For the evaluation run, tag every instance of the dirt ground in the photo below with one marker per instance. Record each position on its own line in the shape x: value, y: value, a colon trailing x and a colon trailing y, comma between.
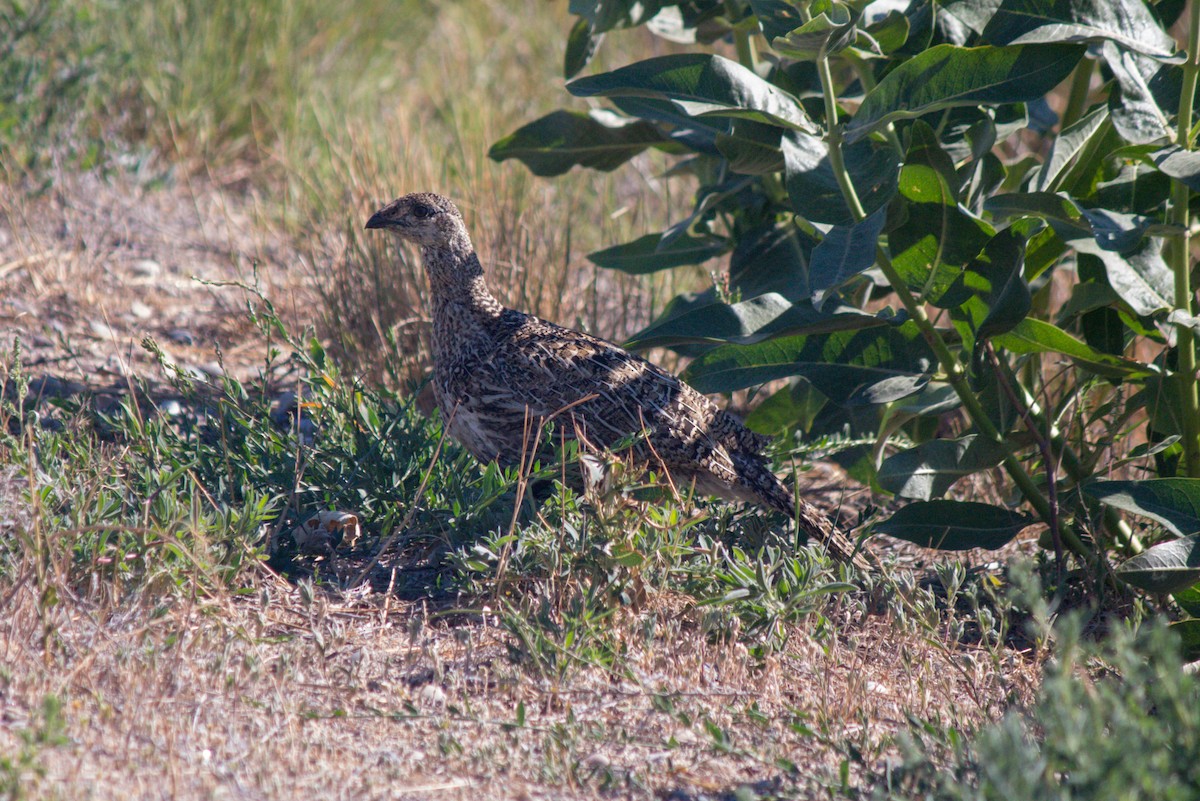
x: 286, y: 693
x: 90, y: 266
x: 276, y: 696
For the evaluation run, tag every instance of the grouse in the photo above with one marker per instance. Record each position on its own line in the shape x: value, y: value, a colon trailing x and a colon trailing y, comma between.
x: 500, y: 376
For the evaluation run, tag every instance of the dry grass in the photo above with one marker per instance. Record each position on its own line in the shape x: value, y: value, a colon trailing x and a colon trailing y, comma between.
x: 260, y: 168
x: 271, y: 695
x: 439, y: 108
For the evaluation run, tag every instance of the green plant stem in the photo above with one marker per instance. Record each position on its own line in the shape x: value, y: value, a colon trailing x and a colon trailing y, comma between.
x: 863, y: 70
x: 1081, y: 85
x: 1076, y: 470
x: 916, y: 310
x: 834, y: 139
x: 1181, y: 260
x: 743, y: 39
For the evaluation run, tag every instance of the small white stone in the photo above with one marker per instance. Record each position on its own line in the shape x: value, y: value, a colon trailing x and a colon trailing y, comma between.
x: 141, y: 310
x: 685, y: 737
x: 432, y: 695
x: 146, y: 268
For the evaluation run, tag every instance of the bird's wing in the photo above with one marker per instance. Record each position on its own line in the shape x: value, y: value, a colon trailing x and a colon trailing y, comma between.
x: 551, y: 370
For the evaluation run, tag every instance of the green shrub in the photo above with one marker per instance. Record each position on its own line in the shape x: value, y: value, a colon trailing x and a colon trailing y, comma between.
x: 921, y: 245
x: 1118, y: 720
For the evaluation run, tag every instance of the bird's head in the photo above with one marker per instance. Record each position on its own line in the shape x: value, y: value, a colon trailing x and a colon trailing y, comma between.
x: 427, y: 219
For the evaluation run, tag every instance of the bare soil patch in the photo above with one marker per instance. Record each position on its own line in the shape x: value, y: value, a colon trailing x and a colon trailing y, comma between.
x: 290, y: 692
x: 91, y: 265
x: 274, y: 695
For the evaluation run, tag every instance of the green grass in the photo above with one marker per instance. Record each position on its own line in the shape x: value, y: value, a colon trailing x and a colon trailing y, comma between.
x: 139, y: 496
x: 322, y: 111
x: 148, y: 509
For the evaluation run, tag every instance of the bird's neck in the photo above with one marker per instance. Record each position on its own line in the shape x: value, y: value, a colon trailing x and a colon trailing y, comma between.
x: 456, y: 278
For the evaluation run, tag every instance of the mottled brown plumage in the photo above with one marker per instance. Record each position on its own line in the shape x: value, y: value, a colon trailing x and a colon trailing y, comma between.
x: 500, y: 375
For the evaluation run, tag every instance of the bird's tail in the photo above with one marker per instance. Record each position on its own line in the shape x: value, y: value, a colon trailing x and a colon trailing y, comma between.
x: 819, y: 528
x: 817, y: 525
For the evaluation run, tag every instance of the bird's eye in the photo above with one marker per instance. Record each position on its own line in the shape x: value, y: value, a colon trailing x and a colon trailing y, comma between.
x: 423, y: 212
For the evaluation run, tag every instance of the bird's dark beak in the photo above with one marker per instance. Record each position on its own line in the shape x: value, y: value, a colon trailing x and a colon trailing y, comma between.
x: 377, y: 221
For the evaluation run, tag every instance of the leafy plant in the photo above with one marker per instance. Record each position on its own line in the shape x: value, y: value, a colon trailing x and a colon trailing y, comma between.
x: 917, y: 239
x: 1107, y: 723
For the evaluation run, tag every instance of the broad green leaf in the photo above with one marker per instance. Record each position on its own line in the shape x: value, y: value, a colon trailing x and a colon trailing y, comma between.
x: 1133, y: 262
x: 813, y: 189
x: 1043, y: 251
x: 1133, y: 110
x: 699, y: 134
x: 1126, y: 22
x: 946, y: 76
x: 1047, y: 205
x: 1085, y: 297
x: 951, y: 31
x: 934, y: 399
x: 975, y: 14
x: 996, y: 298
x: 561, y: 140
x: 1103, y: 330
x: 1141, y: 277
x: 954, y: 525
x: 680, y: 305
x: 845, y: 251
x: 605, y: 15
x: 1137, y: 187
x: 792, y: 407
x: 936, y: 237
x: 925, y: 149
x: 673, y: 25
x: 1066, y: 146
x: 700, y: 84
x: 708, y: 199
x: 776, y: 17
x: 751, y: 148
x: 1111, y: 230
x: 1189, y: 638
x: 772, y: 258
x: 886, y: 35
x: 750, y: 321
x: 644, y: 254
x: 1036, y: 336
x: 959, y: 125
x: 1167, y: 567
x: 1189, y: 600
x: 928, y: 470
x: 828, y: 32
x: 582, y: 44
x: 876, y: 365
x: 1117, y: 231
x: 1183, y: 165
x: 1091, y: 165
x: 1174, y: 502
x: 980, y: 179
x: 1164, y: 406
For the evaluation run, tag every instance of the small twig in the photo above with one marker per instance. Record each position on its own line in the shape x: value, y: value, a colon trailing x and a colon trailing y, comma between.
x: 32, y: 258
x: 1047, y: 457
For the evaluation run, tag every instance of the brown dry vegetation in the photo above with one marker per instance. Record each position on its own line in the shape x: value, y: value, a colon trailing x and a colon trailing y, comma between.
x: 279, y: 694
x: 172, y: 687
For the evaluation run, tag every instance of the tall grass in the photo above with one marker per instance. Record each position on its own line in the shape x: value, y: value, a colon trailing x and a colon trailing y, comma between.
x: 326, y: 110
